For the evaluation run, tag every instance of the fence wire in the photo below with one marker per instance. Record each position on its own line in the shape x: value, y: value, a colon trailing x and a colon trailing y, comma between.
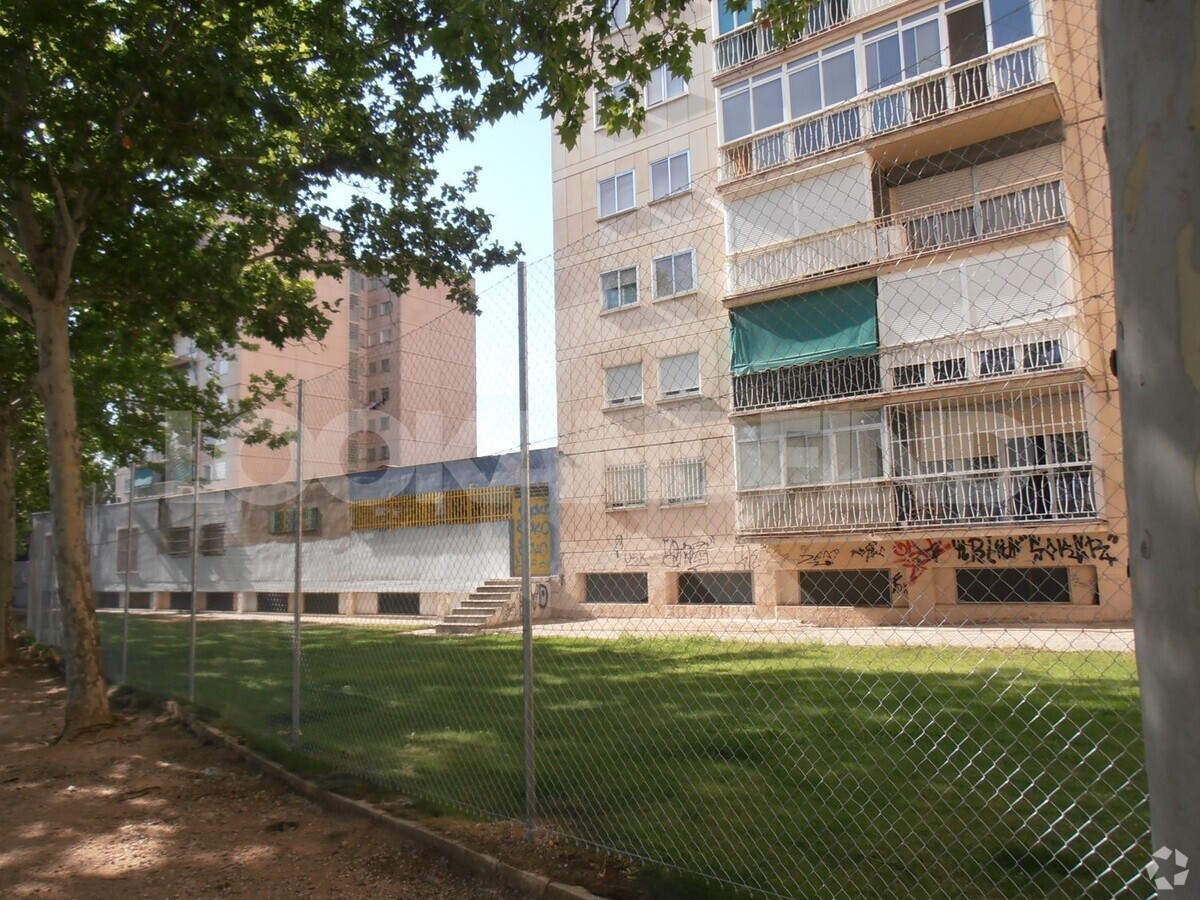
x: 829, y: 555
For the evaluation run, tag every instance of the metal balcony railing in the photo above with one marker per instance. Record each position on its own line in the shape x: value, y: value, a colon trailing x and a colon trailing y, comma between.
x: 1003, y: 72
x: 1030, y: 495
x: 756, y: 39
x: 1009, y: 209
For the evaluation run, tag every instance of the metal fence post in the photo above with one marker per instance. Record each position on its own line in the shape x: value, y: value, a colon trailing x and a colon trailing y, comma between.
x: 125, y: 599
x: 196, y: 438
x: 526, y: 609
x: 299, y: 563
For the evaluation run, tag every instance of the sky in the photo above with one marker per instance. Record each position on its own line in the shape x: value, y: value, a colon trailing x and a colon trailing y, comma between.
x: 515, y: 188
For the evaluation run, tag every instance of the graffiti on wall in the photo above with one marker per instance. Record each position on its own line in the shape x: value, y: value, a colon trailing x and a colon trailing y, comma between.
x: 626, y: 556
x: 869, y: 551
x: 818, y: 559
x: 1079, y: 548
x: 688, y: 555
x: 915, y: 557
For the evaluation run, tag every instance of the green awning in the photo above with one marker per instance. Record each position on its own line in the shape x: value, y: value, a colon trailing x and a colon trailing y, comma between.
x: 831, y: 324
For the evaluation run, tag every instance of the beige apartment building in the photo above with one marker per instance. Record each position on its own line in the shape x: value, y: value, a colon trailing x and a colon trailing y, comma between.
x: 391, y: 383
x: 834, y: 331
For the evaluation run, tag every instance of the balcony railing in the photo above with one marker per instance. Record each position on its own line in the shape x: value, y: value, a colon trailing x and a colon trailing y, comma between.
x: 754, y: 40
x: 1003, y: 72
x: 1006, y: 352
x: 1030, y: 495
x: 1006, y: 210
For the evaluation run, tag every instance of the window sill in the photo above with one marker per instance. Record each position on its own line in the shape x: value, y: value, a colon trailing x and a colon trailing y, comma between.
x: 630, y: 508
x: 683, y: 398
x: 617, y: 407
x: 684, y: 504
x: 674, y: 195
x: 666, y: 298
x: 616, y: 215
x: 620, y: 309
x: 668, y: 100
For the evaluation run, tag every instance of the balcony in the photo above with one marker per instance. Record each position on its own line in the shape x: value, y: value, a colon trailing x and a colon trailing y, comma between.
x: 757, y: 39
x: 1027, y: 496
x: 1004, y: 72
x: 1009, y: 209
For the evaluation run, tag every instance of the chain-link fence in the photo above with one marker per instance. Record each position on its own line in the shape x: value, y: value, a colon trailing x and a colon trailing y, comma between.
x: 829, y: 588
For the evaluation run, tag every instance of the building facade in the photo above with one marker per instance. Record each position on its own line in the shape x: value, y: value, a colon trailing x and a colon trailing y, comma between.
x: 835, y: 329
x: 391, y: 383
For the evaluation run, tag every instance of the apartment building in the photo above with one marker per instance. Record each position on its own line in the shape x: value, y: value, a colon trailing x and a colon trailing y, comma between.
x: 834, y: 330
x: 391, y: 383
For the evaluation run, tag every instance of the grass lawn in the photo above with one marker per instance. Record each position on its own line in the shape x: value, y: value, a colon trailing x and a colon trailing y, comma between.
x: 801, y: 770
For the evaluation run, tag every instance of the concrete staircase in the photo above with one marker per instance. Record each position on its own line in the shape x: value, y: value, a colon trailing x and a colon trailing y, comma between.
x: 483, y: 608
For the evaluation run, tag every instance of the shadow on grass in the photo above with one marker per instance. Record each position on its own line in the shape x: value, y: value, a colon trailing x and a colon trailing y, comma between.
x: 905, y: 772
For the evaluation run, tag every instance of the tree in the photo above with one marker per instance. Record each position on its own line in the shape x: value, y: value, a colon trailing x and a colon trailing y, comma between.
x: 172, y: 163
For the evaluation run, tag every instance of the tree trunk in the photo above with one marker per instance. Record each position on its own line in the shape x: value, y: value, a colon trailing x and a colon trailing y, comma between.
x: 87, y: 697
x: 8, y: 531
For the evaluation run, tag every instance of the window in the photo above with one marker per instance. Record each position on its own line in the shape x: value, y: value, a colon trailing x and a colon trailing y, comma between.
x: 908, y: 376
x: 670, y: 175
x: 180, y: 600
x: 947, y: 370
x: 218, y: 470
x: 846, y: 587
x: 271, y: 603
x: 664, y: 86
x: 179, y: 541
x: 385, y: 394
x: 212, y: 539
x: 1042, y: 355
x: 679, y: 376
x: 108, y: 600
x: 354, y: 336
x: 1015, y: 585
x: 218, y: 601
x: 384, y: 337
x: 371, y: 368
x: 283, y: 521
x: 818, y: 81
x: 997, y: 361
x: 675, y: 274
x: 385, y: 422
x: 371, y: 454
x: 355, y: 306
x: 1057, y: 481
x: 625, y: 486
x: 385, y: 452
x: 618, y: 14
x: 682, y: 481
x: 127, y: 549
x: 372, y: 311
x: 752, y: 105
x: 321, y: 604
x: 623, y: 385
x: 396, y: 604
x: 732, y: 588
x: 385, y: 364
x: 371, y: 424
x: 616, y: 587
x: 356, y: 281
x: 617, y: 193
x: 730, y: 19
x: 814, y: 448
x: 385, y: 308
x: 371, y: 395
x: 619, y: 288
x: 352, y: 451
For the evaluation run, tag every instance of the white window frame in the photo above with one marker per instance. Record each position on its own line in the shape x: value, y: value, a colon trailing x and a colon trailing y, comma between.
x: 600, y: 92
x: 618, y: 15
x: 615, y: 180
x: 622, y: 487
x: 637, y: 289
x: 691, y: 473
x: 686, y: 392
x: 666, y: 81
x: 672, y: 188
x: 691, y: 255
x: 825, y: 434
x: 611, y: 402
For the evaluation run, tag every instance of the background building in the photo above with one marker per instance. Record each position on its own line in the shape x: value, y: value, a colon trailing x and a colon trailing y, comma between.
x: 834, y: 330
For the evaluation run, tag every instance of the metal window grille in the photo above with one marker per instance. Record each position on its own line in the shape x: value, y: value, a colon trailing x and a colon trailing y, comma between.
x: 179, y: 540
x: 1014, y: 585
x: 625, y: 486
x: 616, y: 587
x: 683, y: 481
x: 846, y: 587
x: 212, y: 539
x: 716, y: 588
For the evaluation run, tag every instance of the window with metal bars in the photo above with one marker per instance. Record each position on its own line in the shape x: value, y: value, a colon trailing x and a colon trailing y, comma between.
x: 682, y: 481
x: 625, y: 486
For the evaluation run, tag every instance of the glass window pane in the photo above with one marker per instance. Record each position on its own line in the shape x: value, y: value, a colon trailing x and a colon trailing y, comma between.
x: 679, y: 374
x: 768, y: 103
x: 922, y: 49
x: 883, y: 63
x: 749, y: 469
x: 805, y: 87
x: 735, y: 116
x: 625, y: 191
x: 660, y: 180
x: 840, y: 79
x: 608, y: 196
x: 680, y: 175
x: 624, y: 383
x: 685, y: 279
x: 608, y: 289
x: 806, y: 459
x: 1012, y: 21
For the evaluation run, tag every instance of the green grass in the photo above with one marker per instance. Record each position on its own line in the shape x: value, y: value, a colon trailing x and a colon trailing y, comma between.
x: 800, y: 770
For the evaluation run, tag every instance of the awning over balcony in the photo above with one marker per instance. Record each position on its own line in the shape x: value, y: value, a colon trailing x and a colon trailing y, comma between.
x: 831, y: 324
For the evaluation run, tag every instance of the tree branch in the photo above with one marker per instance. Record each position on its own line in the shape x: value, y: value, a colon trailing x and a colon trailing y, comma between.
x: 10, y: 267
x: 17, y: 305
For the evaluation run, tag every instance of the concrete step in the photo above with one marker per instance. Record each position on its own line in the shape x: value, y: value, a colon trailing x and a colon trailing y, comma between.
x: 454, y: 628
x: 510, y: 583
x: 480, y: 605
x: 496, y: 589
x: 476, y: 617
x: 498, y: 599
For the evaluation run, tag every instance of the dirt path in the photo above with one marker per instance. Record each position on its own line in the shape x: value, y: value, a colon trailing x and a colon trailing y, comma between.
x: 145, y: 810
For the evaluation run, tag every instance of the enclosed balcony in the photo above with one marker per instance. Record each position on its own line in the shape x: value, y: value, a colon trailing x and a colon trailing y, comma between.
x: 925, y: 97
x: 981, y: 216
x: 1018, y: 457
